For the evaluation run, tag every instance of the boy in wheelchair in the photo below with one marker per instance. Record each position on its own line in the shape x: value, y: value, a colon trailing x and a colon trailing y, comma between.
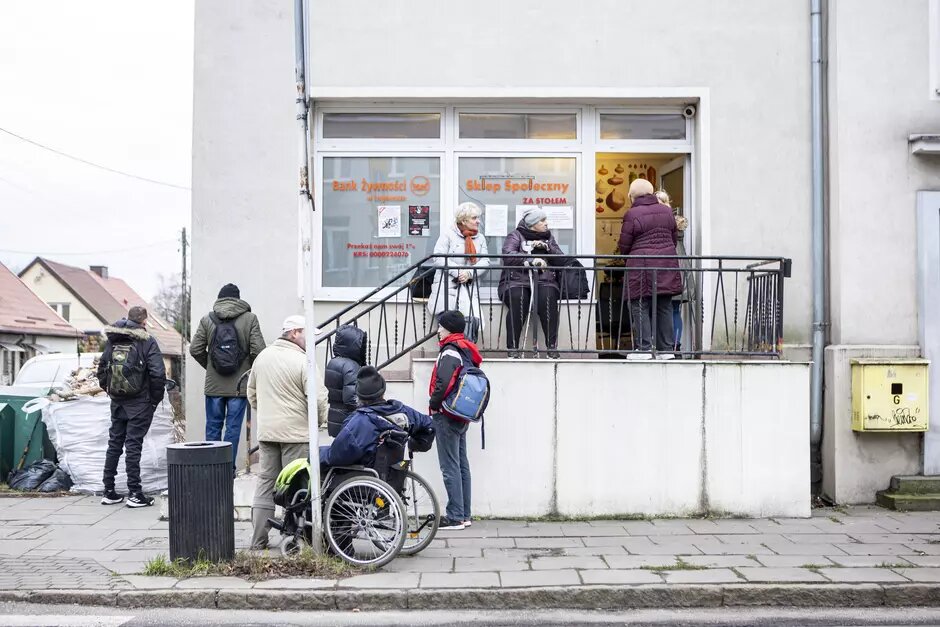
x: 371, y: 443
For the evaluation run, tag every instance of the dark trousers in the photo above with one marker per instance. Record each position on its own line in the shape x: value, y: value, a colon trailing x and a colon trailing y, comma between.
x: 230, y: 412
x: 127, y: 432
x: 644, y: 324
x: 517, y: 300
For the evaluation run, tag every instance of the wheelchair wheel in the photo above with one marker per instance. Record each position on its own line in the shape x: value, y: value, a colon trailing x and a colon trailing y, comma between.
x: 291, y: 545
x: 364, y: 522
x: 423, y: 514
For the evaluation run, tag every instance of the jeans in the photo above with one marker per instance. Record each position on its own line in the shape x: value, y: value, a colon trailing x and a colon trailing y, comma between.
x: 677, y: 322
x: 126, y: 432
x: 451, y: 438
x: 641, y: 319
x: 229, y: 410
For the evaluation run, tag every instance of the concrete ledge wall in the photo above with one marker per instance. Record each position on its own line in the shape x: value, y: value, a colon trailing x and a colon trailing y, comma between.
x: 604, y: 438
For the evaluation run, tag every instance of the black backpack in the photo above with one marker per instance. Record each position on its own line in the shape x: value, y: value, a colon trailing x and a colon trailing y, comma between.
x: 224, y: 349
x: 127, y: 371
x: 422, y: 281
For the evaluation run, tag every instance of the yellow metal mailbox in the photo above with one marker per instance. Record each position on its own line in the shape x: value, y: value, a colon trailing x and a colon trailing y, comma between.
x: 889, y: 394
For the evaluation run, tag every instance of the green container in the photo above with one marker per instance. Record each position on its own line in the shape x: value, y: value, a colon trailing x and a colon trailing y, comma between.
x: 21, y: 432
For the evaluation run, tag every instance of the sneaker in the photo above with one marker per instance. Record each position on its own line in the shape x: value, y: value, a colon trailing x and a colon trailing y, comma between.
x: 554, y: 355
x: 640, y: 356
x: 665, y: 356
x: 139, y: 500
x: 467, y: 523
x: 448, y: 524
x: 515, y: 355
x: 110, y: 497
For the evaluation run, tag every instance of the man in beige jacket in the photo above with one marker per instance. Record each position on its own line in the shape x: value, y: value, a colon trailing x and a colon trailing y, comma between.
x: 277, y: 392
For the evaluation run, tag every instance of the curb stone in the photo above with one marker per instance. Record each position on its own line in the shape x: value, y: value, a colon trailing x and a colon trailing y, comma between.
x: 807, y: 595
x: 580, y: 597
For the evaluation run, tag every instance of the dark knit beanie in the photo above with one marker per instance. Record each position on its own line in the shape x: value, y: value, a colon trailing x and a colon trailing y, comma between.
x: 229, y: 290
x: 452, y: 321
x: 370, y: 385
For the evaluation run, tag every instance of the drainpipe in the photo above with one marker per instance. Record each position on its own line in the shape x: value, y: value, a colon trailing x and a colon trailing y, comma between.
x: 305, y: 210
x: 819, y: 239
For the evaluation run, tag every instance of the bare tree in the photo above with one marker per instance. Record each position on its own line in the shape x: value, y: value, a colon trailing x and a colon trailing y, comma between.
x: 170, y: 303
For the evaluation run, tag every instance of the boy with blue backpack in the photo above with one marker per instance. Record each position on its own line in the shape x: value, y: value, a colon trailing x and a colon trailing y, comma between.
x: 459, y: 393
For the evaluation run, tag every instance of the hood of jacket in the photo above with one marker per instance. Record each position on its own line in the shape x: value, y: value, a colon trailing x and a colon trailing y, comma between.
x: 458, y: 339
x: 227, y: 308
x: 387, y: 412
x: 350, y: 342
x: 125, y: 328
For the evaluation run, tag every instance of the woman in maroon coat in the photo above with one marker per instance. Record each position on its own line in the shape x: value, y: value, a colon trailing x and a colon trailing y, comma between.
x: 649, y: 228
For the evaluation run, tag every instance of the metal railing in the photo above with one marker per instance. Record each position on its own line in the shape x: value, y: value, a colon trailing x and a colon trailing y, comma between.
x: 579, y: 306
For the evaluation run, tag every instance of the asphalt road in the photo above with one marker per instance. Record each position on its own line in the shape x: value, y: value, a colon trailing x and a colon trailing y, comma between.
x: 16, y: 615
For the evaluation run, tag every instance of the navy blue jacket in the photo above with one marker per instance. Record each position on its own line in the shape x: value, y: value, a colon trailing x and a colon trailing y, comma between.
x: 356, y: 443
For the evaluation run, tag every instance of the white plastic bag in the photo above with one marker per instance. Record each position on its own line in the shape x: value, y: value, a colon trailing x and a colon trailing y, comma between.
x: 79, y: 431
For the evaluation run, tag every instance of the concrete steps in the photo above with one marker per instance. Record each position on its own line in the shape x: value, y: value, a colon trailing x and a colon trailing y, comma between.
x: 911, y: 493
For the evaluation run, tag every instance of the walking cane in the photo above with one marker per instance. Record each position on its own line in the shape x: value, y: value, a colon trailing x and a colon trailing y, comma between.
x: 238, y: 387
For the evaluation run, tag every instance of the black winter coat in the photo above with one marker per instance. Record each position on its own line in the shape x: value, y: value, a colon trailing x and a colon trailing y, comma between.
x: 349, y: 355
x: 151, y: 395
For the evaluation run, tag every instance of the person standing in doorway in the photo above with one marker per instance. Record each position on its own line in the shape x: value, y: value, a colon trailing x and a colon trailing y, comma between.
x: 457, y: 352
x: 682, y: 223
x: 649, y: 228
x: 131, y: 371
x: 226, y: 344
x: 277, y: 390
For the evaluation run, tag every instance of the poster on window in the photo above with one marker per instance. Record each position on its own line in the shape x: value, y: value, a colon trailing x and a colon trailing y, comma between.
x: 419, y: 220
x: 389, y: 220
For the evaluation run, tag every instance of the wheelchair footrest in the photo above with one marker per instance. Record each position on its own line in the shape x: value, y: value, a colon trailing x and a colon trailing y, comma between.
x: 276, y: 524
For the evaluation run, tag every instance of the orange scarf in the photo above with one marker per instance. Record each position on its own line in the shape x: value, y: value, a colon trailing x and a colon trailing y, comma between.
x: 469, y: 248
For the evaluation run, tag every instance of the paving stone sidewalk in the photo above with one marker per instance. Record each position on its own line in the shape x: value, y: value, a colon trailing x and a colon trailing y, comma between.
x: 74, y: 543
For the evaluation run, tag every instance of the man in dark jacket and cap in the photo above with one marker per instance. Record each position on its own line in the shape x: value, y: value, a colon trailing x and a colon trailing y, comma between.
x: 357, y: 442
x: 131, y: 371
x: 226, y: 362
x: 349, y: 355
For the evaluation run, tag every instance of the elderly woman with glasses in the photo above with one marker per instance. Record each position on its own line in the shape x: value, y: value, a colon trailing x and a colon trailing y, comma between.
x: 459, y: 287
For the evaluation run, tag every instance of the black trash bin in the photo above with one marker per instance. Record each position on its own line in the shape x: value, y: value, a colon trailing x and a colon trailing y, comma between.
x: 202, y: 507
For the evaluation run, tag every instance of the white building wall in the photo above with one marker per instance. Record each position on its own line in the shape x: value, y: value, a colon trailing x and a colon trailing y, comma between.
x: 879, y: 79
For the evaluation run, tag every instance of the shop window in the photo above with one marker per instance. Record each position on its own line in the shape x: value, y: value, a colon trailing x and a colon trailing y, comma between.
x: 380, y: 216
x: 507, y: 187
x: 518, y: 126
x: 642, y: 126
x: 381, y: 125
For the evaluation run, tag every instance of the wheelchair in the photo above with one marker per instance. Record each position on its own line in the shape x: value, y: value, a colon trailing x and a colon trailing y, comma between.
x: 370, y: 514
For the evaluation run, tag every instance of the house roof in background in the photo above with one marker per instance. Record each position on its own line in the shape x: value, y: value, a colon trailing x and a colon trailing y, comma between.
x: 110, y: 299
x: 21, y: 311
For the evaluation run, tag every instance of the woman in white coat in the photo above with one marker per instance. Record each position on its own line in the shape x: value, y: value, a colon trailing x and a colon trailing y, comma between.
x: 462, y: 278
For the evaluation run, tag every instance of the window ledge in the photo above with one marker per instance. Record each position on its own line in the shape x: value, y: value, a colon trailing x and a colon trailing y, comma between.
x: 924, y: 144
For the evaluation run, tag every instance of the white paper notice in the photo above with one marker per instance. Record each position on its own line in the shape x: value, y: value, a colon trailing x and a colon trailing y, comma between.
x: 389, y: 220
x: 495, y: 221
x: 560, y: 218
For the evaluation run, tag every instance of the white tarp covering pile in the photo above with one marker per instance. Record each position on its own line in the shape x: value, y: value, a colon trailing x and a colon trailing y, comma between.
x: 79, y: 431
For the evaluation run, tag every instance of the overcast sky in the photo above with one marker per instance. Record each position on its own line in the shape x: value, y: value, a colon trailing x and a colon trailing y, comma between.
x: 109, y: 82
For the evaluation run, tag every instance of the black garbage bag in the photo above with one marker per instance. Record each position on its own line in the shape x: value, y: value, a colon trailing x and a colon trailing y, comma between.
x: 32, y: 476
x: 60, y: 481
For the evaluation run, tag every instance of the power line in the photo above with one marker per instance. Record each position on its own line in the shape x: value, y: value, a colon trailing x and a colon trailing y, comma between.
x: 96, y: 165
x: 93, y: 252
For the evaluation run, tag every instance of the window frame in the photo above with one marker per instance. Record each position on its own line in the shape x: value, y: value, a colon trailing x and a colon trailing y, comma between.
x: 449, y: 148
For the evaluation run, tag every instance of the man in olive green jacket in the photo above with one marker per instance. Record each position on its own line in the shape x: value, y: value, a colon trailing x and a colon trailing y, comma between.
x: 225, y: 402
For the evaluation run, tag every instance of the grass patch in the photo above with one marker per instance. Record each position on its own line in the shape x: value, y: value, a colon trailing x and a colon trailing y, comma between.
x: 254, y: 567
x: 679, y: 565
x: 7, y: 491
x: 836, y: 520
x: 897, y: 565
